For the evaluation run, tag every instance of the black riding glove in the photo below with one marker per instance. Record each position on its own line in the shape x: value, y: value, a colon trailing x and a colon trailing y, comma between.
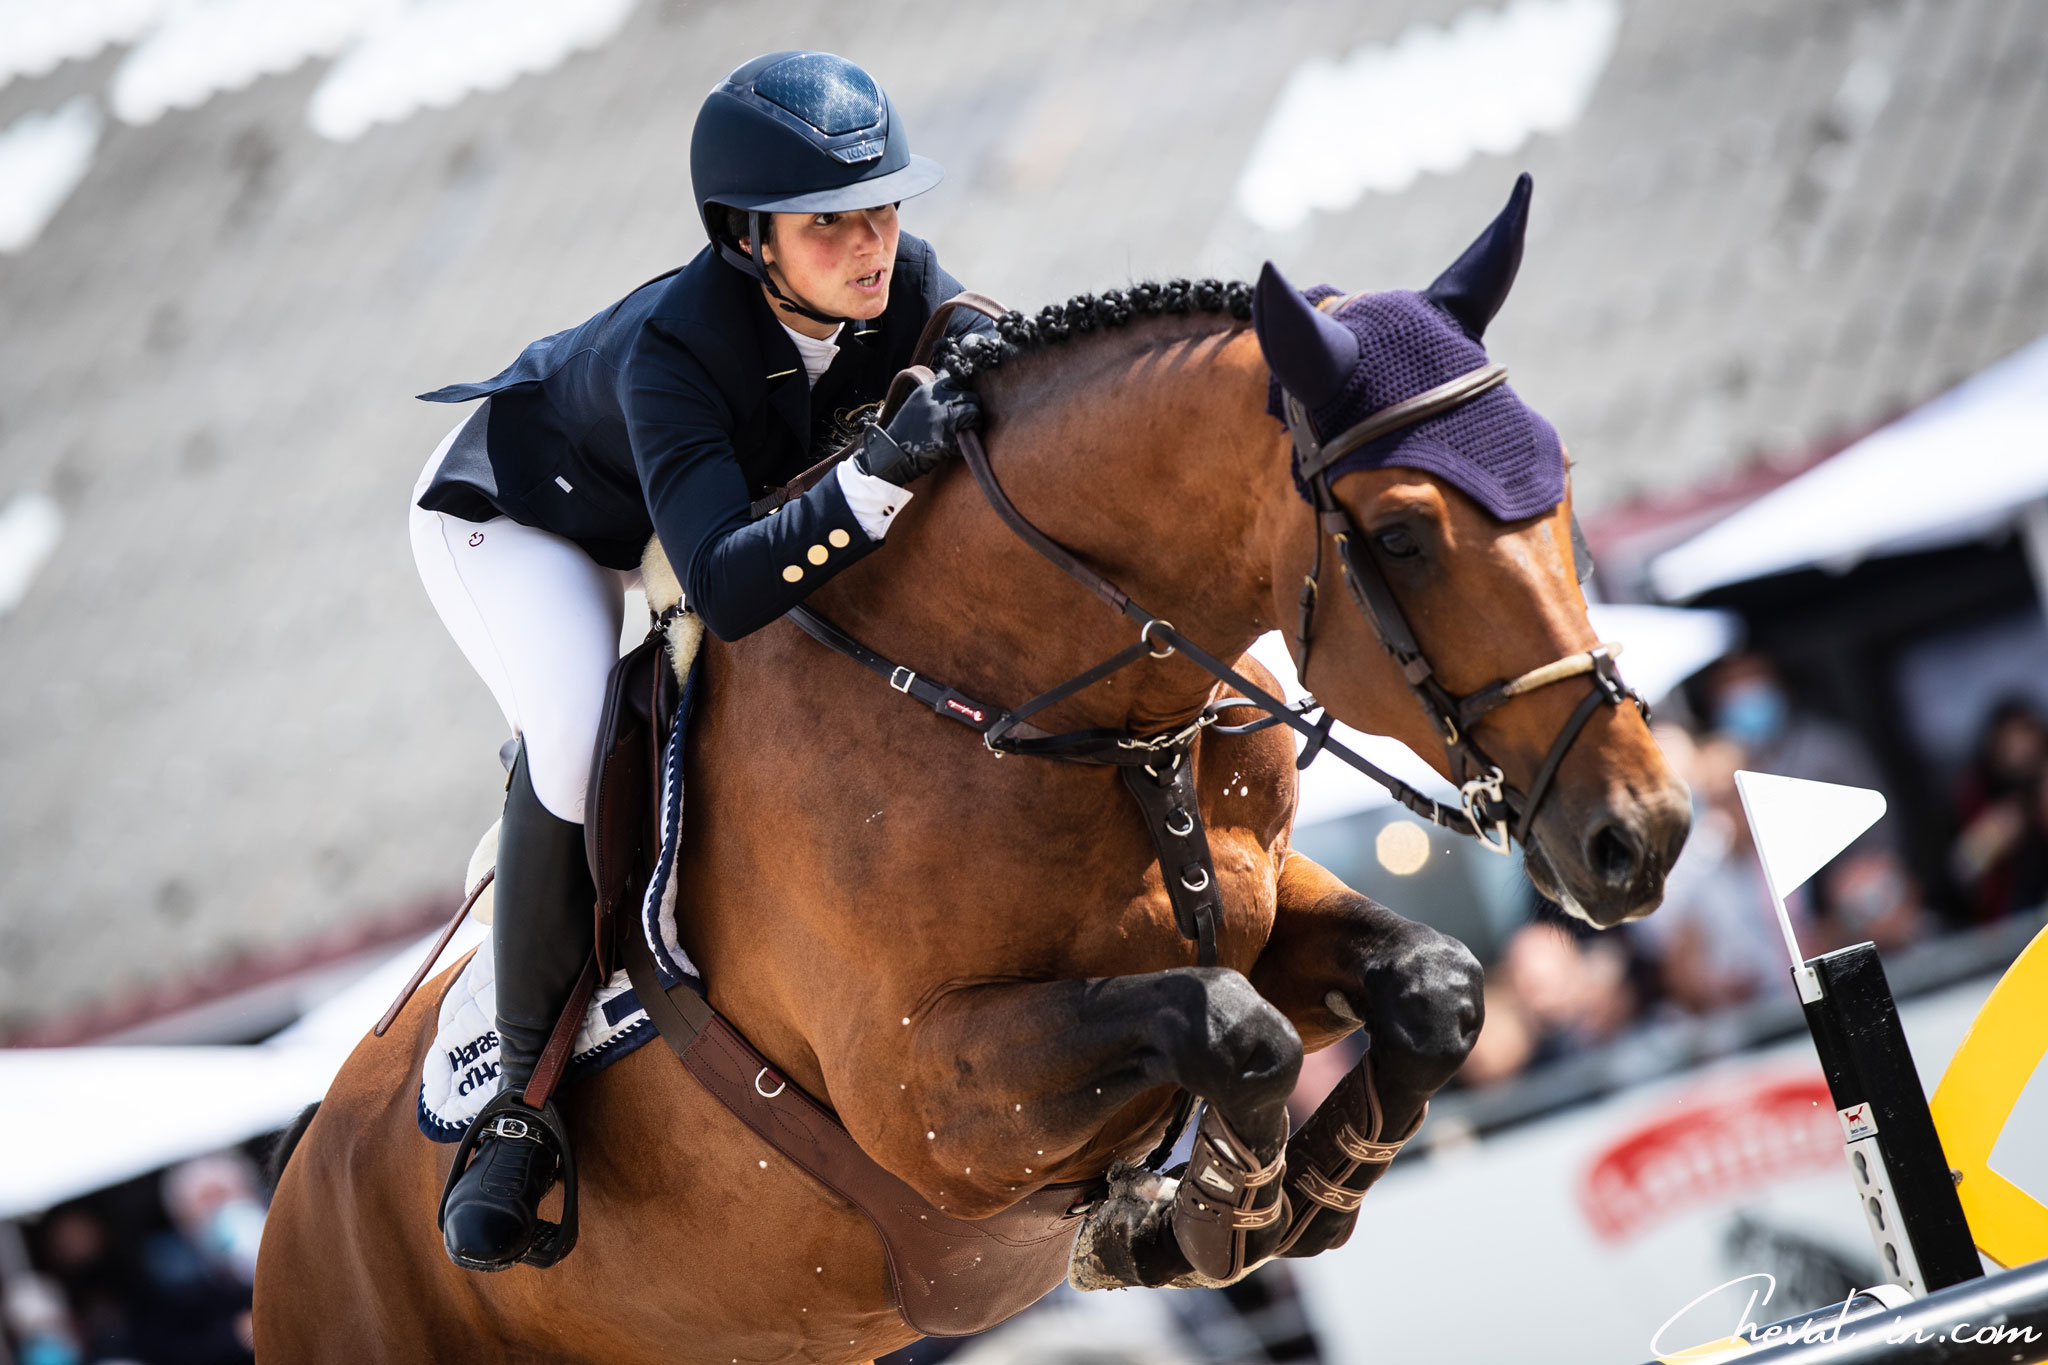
x: 923, y: 433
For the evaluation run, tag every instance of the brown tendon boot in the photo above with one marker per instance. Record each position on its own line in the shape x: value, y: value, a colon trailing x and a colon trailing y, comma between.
x: 1335, y: 1164
x: 1226, y: 1200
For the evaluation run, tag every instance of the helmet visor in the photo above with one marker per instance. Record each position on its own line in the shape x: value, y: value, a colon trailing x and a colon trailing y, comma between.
x: 914, y: 179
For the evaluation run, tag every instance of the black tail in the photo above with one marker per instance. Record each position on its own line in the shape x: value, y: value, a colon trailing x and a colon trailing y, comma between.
x: 287, y: 1143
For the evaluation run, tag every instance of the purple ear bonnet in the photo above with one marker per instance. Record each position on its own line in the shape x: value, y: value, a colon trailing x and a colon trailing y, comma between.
x: 1494, y: 449
x: 1383, y: 349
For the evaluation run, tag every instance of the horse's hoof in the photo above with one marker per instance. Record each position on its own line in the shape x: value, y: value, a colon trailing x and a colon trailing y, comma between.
x: 1127, y: 1242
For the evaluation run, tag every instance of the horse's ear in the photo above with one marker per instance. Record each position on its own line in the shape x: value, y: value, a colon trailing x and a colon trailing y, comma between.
x: 1476, y: 285
x: 1314, y: 355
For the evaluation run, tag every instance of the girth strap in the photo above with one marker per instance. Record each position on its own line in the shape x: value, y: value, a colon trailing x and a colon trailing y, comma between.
x: 938, y: 1265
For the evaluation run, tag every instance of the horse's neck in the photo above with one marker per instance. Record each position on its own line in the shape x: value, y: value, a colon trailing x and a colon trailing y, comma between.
x: 1150, y: 462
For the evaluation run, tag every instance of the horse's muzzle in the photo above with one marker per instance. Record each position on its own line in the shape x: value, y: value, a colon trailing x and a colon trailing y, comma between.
x: 1606, y: 861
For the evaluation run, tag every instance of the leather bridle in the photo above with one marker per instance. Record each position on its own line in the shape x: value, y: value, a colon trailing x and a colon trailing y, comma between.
x: 1490, y: 808
x: 1157, y: 769
x: 1494, y: 809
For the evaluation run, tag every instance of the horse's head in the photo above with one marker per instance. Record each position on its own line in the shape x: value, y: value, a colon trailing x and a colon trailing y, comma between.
x: 1451, y: 532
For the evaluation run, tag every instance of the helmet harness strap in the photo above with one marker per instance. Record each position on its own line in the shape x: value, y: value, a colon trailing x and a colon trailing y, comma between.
x: 759, y: 270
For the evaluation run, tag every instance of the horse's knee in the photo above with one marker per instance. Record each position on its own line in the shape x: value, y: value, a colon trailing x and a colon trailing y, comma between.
x: 1238, y: 1050
x: 1424, y: 1001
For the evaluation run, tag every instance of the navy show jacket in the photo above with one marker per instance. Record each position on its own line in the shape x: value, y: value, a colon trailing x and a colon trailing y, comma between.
x: 670, y: 412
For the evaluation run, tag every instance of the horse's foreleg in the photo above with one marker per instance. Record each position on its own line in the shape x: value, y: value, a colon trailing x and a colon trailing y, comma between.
x: 1338, y: 961
x: 1016, y: 1077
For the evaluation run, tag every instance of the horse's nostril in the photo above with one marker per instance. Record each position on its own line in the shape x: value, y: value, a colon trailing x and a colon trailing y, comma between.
x: 1613, y: 856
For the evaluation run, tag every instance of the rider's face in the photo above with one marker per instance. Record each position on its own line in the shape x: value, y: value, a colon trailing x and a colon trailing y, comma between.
x: 838, y: 263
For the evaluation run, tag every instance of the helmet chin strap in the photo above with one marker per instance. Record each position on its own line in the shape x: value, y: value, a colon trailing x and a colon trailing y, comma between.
x: 760, y: 271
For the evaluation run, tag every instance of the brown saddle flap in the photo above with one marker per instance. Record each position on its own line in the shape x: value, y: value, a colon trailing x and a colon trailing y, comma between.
x: 622, y: 819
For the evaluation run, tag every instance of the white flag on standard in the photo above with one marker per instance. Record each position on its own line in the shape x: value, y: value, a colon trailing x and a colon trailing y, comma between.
x: 1800, y: 825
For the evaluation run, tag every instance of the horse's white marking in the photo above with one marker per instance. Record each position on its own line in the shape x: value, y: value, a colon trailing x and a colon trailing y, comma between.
x: 762, y: 1164
x: 872, y: 818
x: 931, y: 1136
x: 906, y: 1021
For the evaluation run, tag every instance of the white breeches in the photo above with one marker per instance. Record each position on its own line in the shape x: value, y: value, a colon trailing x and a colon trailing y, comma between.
x: 538, y: 620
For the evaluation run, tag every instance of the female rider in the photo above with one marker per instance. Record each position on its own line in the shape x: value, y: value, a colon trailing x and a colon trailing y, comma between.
x: 668, y: 413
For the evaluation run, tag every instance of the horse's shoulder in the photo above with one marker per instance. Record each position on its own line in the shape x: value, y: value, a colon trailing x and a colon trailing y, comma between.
x: 1249, y: 780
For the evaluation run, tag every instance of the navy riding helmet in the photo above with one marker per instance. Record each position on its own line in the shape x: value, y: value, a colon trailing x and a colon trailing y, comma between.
x: 798, y: 132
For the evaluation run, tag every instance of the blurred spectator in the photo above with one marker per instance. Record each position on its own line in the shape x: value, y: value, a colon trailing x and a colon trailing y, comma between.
x: 41, y: 1322
x: 1320, y: 1072
x: 79, y: 1250
x: 199, y: 1272
x: 155, y: 1270
x: 1747, y: 703
x: 1998, y: 811
x: 1716, y: 938
x: 216, y: 1203
x: 2028, y: 883
x: 1554, y: 991
x: 1867, y: 892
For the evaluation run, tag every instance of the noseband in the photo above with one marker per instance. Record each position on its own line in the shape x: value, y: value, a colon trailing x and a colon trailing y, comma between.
x: 1494, y: 809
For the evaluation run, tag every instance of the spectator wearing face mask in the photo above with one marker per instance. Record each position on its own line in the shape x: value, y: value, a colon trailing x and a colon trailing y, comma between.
x: 1867, y: 891
x: 196, y: 1308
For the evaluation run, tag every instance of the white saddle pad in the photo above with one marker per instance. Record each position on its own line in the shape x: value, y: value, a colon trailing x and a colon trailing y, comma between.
x: 461, y: 1071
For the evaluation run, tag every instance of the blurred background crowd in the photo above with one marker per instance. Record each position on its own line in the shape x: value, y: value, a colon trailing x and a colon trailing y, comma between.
x: 1785, y: 281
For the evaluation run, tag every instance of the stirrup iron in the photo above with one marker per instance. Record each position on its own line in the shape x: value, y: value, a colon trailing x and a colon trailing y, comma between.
x: 509, y: 1120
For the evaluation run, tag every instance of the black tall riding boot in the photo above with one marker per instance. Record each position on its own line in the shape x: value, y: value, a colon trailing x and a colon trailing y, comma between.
x: 541, y: 930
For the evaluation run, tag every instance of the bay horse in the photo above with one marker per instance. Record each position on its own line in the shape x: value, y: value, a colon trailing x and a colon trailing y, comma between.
x: 975, y: 962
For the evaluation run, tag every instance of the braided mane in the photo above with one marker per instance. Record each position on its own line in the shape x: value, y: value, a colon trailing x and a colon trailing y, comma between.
x: 978, y: 353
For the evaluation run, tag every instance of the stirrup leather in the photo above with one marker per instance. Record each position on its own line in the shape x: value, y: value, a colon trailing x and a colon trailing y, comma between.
x: 1224, y: 1197
x: 508, y: 1119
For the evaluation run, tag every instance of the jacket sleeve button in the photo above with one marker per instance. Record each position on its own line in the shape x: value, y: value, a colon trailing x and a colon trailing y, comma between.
x: 816, y: 554
x: 792, y: 573
x: 840, y: 540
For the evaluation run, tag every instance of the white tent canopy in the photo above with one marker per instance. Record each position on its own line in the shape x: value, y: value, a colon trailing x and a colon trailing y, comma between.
x: 1968, y: 463
x: 83, y: 1118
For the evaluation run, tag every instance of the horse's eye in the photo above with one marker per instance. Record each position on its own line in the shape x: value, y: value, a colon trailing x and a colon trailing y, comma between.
x: 1396, y: 543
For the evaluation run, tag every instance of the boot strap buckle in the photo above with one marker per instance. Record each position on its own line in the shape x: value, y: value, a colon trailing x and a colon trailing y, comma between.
x: 512, y: 1126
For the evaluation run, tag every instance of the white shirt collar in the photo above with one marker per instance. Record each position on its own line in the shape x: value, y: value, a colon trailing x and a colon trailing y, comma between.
x: 815, y: 352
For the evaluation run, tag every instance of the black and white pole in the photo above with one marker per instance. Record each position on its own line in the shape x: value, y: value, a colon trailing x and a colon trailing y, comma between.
x: 1901, y: 1175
